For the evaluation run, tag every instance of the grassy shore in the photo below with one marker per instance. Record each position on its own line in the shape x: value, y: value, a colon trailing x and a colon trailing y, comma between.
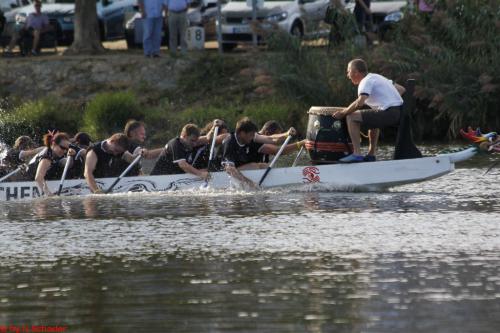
x: 458, y: 81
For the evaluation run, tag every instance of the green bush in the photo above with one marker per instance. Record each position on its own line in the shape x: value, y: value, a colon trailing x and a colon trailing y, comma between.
x: 35, y: 118
x: 453, y: 55
x: 108, y: 112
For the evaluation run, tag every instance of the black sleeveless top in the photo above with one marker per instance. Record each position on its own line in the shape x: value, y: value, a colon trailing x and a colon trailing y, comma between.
x: 108, y: 165
x: 55, y: 170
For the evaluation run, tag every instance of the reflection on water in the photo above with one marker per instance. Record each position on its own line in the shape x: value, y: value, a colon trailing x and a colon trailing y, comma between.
x: 419, y: 258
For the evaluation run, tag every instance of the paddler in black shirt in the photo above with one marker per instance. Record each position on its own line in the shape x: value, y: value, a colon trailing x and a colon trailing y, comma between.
x: 49, y: 163
x: 136, y: 133
x: 103, y: 159
x: 179, y: 154
x: 242, y: 152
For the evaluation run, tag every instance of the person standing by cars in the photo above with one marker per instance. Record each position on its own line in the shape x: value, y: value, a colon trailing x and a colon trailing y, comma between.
x: 177, y: 25
x: 363, y: 14
x: 152, y: 18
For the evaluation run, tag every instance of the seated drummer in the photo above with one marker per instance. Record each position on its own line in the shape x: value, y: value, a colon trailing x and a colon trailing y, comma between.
x: 104, y: 159
x: 179, y: 154
x: 382, y: 96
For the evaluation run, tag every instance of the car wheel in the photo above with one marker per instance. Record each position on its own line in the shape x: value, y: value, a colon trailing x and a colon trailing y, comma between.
x: 228, y: 47
x: 102, y: 31
x: 297, y: 30
x: 131, y: 44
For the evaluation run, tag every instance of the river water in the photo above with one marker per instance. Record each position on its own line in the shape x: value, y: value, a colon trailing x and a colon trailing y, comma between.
x: 418, y: 258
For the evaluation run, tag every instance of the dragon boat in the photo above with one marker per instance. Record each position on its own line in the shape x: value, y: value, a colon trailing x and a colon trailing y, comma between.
x: 368, y: 176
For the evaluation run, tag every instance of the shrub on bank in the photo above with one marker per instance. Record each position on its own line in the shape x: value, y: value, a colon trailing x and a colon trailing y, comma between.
x: 35, y: 118
x: 108, y: 112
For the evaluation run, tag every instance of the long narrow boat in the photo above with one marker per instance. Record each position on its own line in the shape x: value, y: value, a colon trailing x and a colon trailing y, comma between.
x: 372, y: 176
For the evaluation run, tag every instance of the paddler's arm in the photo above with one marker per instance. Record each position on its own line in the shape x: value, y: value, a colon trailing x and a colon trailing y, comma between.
x: 275, y: 138
x: 188, y: 168
x: 357, y: 104
x: 26, y: 155
x: 90, y: 164
x: 41, y: 171
x: 268, y: 149
x: 151, y: 154
x: 235, y: 173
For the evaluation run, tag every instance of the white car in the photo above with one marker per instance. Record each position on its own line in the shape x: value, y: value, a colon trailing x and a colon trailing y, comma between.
x: 297, y: 17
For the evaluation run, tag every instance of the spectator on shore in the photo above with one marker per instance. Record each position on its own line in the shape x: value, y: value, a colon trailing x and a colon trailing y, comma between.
x: 177, y: 25
x: 341, y: 23
x: 36, y: 25
x: 424, y: 6
x: 152, y: 18
x: 362, y: 13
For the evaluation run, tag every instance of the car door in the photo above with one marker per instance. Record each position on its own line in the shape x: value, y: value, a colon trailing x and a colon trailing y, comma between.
x: 313, y: 13
x: 112, y: 16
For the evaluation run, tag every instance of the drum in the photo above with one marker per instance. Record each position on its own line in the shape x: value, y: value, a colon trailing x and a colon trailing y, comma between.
x: 327, y: 138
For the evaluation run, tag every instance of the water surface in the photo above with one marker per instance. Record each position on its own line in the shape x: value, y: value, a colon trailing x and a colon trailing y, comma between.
x: 418, y: 258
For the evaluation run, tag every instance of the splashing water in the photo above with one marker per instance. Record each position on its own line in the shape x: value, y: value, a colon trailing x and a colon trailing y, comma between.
x: 3, y: 150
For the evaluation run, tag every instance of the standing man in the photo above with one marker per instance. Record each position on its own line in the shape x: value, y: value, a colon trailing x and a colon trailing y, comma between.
x: 382, y: 96
x: 152, y: 18
x: 362, y: 13
x: 177, y: 24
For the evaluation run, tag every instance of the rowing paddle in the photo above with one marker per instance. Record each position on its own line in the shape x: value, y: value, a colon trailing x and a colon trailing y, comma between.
x: 65, y: 172
x: 212, y: 148
x: 298, y: 156
x: 275, y: 159
x: 12, y: 173
x: 124, y: 173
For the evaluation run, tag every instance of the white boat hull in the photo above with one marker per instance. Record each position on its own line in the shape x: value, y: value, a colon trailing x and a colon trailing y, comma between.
x: 358, y: 176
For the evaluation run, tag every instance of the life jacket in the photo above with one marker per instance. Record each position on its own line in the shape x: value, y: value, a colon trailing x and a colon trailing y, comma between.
x: 108, y: 165
x: 55, y: 170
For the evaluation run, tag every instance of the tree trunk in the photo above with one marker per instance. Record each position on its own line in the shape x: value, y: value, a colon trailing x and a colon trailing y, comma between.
x: 87, y: 35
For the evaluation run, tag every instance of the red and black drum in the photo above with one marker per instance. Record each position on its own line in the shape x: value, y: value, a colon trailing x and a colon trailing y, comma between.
x: 327, y: 138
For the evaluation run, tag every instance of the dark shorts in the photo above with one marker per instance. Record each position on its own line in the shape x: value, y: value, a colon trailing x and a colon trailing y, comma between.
x: 380, y: 119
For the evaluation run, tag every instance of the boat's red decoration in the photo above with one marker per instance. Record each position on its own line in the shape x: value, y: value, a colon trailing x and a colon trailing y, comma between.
x: 311, y: 174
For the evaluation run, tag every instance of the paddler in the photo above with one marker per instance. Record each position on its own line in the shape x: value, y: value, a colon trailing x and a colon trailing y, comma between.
x: 241, y: 151
x: 180, y: 153
x: 104, y: 159
x: 49, y: 163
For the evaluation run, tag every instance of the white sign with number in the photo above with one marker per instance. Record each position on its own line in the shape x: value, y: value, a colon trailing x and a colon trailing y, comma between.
x: 195, y: 38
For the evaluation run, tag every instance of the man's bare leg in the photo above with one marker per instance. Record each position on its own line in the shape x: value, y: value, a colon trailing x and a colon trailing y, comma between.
x: 353, y: 125
x: 373, y: 137
x: 36, y: 40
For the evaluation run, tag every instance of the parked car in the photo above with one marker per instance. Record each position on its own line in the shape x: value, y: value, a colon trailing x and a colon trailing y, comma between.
x: 111, y: 15
x: 7, y: 5
x: 298, y: 17
x: 200, y: 13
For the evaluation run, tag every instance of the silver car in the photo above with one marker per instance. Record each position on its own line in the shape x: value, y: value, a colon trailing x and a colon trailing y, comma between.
x: 297, y: 17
